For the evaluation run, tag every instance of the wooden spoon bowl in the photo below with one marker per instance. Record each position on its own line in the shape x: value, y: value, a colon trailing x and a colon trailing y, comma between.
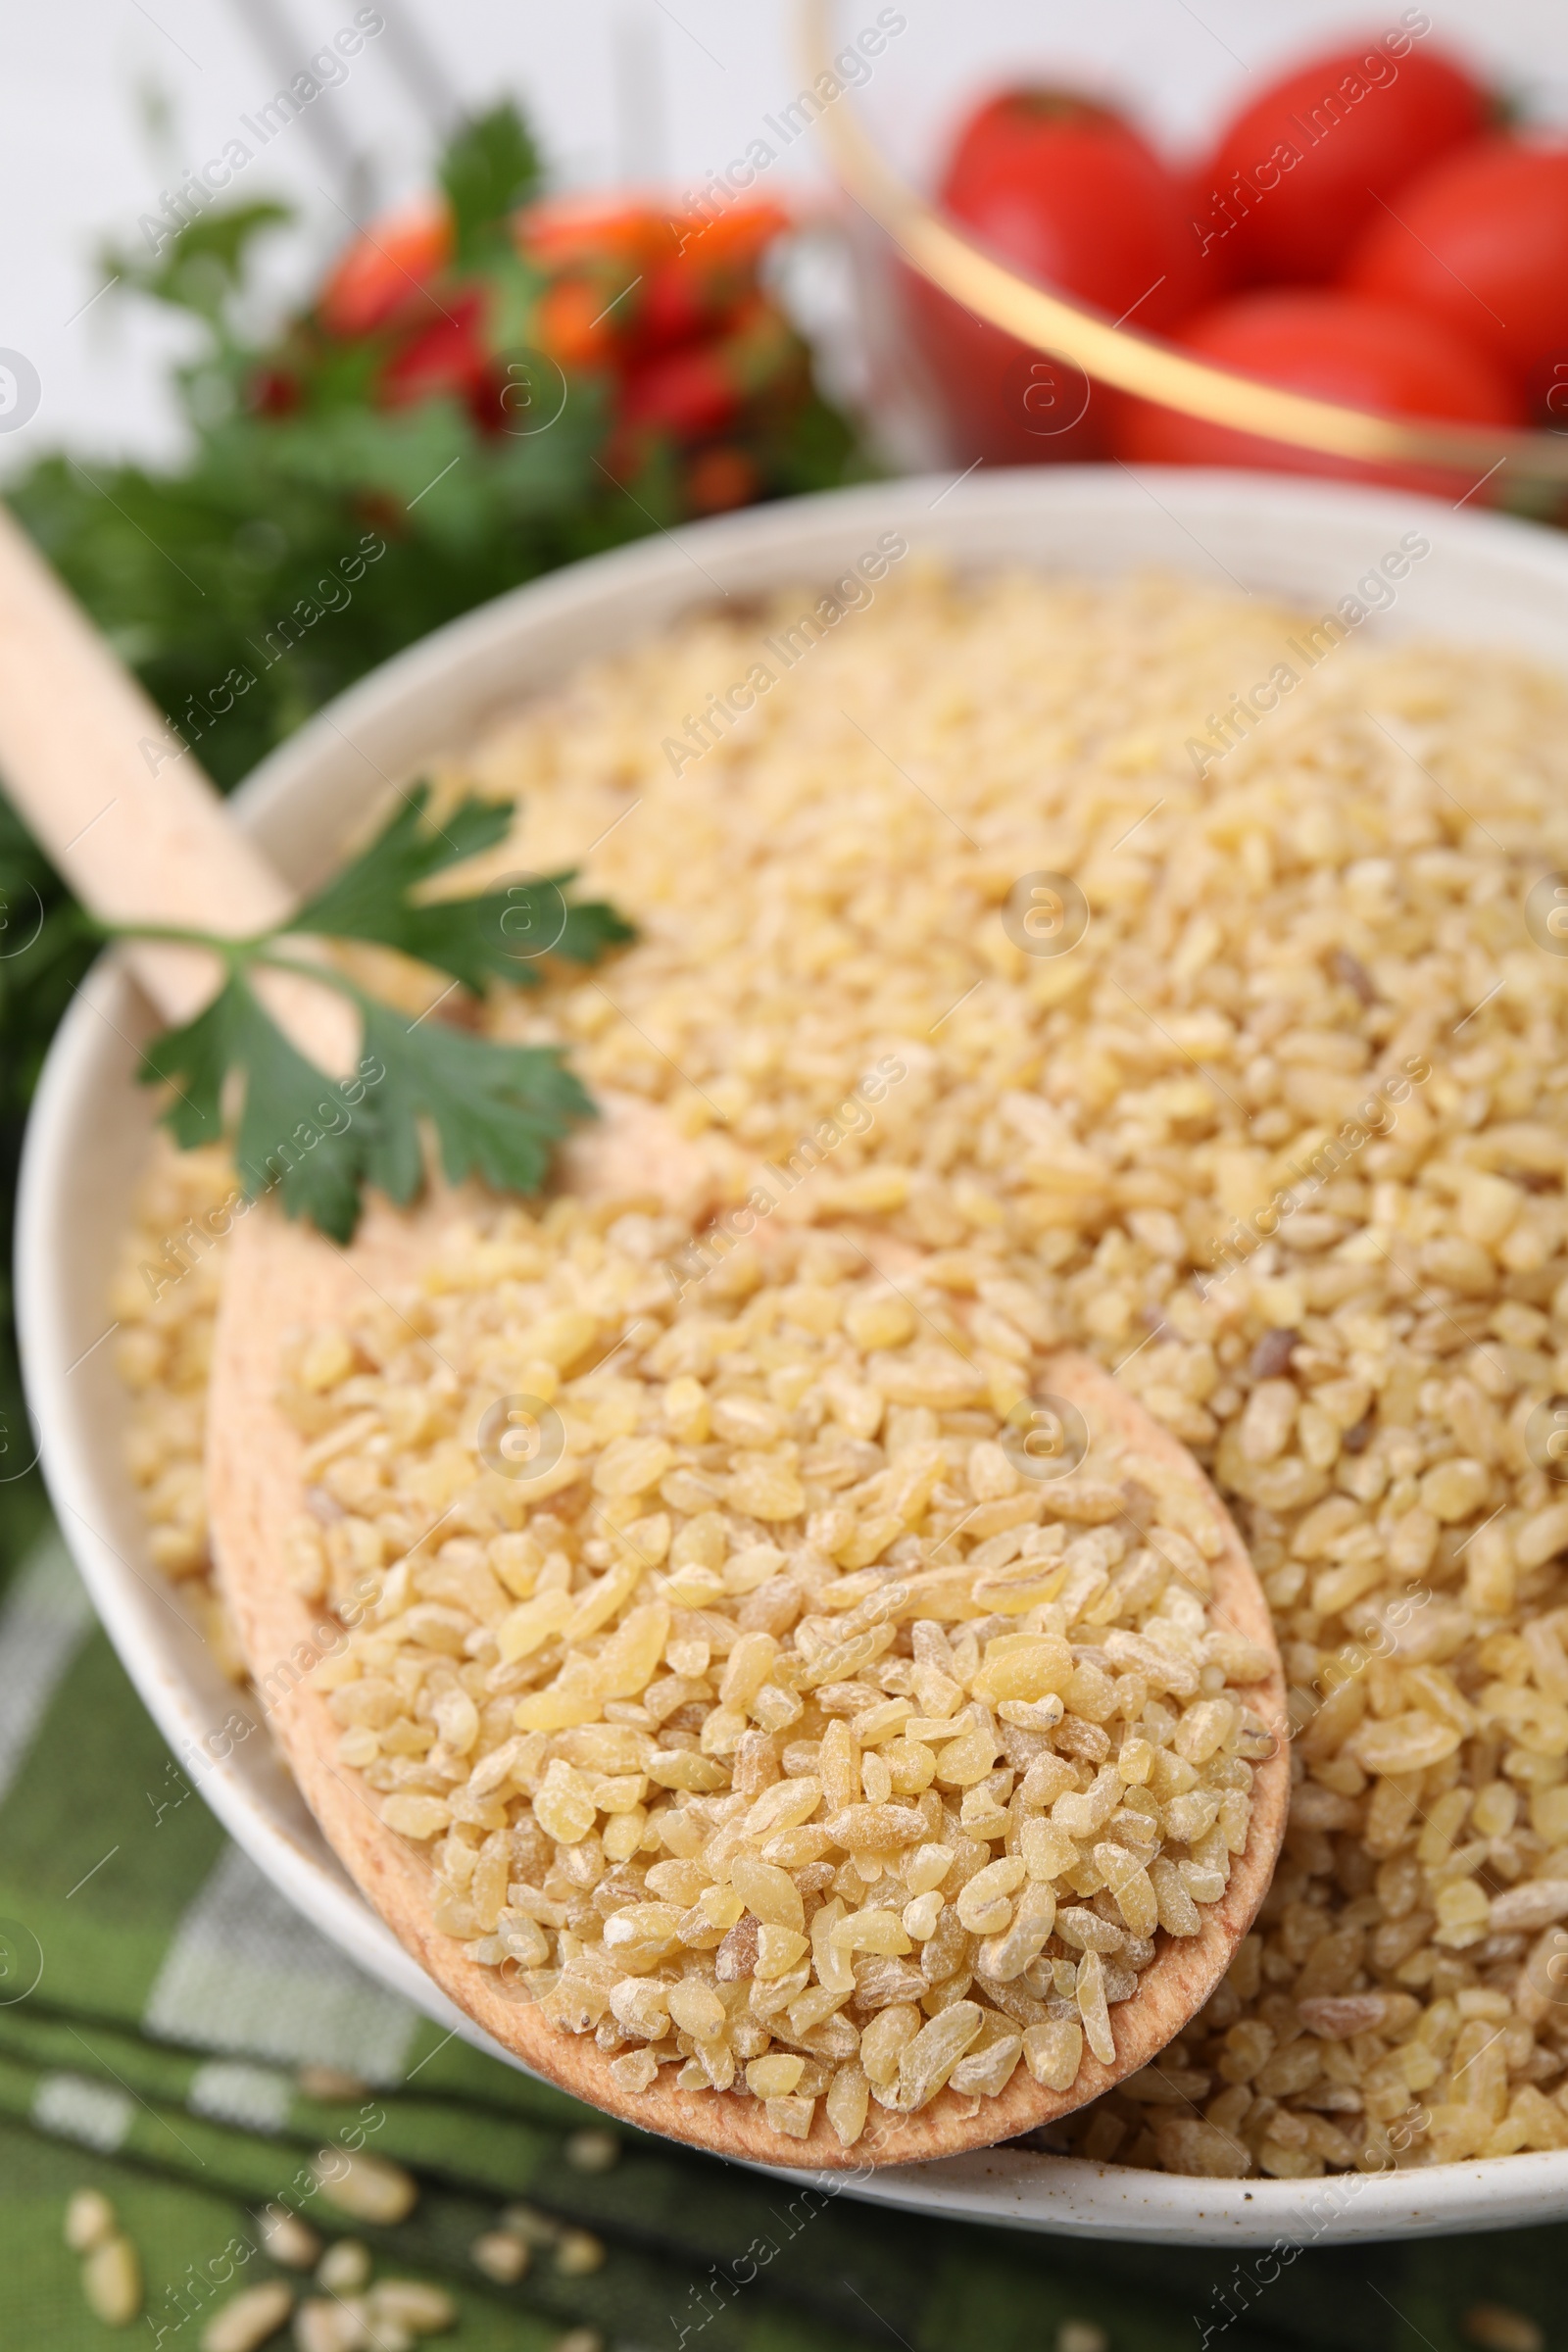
x: 282, y: 1274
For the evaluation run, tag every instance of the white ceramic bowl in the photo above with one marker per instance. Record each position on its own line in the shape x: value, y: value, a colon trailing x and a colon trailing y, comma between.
x: 1484, y: 581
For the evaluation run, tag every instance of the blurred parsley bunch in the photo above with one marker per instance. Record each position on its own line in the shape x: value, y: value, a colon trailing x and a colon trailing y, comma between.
x: 487, y: 385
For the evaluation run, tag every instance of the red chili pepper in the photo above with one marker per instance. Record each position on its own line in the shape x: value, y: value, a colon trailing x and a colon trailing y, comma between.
x: 570, y: 323
x: 697, y: 390
x: 274, y: 392
x: 386, y: 270
x: 569, y: 230
x: 447, y: 357
x: 688, y: 393
x: 740, y: 235
x: 714, y: 269
x: 681, y: 303
x: 718, y: 479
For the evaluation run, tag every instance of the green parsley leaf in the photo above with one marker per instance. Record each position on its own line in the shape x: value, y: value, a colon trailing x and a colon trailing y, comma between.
x: 194, y: 1060
x: 206, y: 264
x: 297, y: 1126
x: 370, y: 893
x: 490, y: 168
x: 497, y: 1112
x: 497, y: 935
x: 298, y: 1131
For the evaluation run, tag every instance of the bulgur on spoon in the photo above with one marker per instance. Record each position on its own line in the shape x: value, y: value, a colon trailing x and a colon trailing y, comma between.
x: 763, y: 1733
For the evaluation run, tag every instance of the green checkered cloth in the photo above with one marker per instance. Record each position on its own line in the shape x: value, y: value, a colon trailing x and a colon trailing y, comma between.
x: 162, y: 2011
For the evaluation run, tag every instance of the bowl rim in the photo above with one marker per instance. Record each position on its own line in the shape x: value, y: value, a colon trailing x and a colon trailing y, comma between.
x: 645, y: 584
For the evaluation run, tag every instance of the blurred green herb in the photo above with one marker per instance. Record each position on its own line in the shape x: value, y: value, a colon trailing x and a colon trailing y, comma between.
x: 205, y: 576
x: 45, y: 948
x: 205, y: 267
x: 490, y: 168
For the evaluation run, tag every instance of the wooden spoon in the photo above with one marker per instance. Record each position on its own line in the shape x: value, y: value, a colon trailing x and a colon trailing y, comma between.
x: 147, y: 839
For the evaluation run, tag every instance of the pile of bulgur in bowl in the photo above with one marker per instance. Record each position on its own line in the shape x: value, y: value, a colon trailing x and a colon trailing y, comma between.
x: 1265, y: 1114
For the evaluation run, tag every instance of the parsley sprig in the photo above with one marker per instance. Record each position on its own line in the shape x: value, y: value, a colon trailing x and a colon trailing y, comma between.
x: 497, y: 1110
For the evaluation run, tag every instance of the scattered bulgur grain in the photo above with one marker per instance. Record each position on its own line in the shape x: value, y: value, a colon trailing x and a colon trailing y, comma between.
x: 344, y: 2267
x: 367, y: 2187
x: 592, y: 2151
x: 331, y: 2085
x: 580, y: 2252
x: 321, y: 2325
x: 89, y: 2220
x: 501, y: 2256
x: 1498, y: 2327
x: 287, y: 2238
x: 533, y: 2226
x: 247, y: 2320
x: 111, y: 2281
x: 410, y: 2303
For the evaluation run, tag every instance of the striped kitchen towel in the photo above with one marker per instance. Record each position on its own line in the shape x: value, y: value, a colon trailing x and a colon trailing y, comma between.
x: 172, y: 2033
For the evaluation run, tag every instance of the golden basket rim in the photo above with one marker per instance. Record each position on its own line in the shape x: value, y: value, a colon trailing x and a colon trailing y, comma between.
x: 940, y: 252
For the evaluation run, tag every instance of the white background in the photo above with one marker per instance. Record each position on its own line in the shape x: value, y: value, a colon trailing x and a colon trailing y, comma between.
x: 104, y: 103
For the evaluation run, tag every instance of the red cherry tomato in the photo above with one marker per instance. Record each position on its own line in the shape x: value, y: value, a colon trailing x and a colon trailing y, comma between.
x: 1068, y: 192
x: 1295, y: 175
x: 1342, y: 347
x: 999, y: 400
x: 383, y: 274
x: 1480, y: 242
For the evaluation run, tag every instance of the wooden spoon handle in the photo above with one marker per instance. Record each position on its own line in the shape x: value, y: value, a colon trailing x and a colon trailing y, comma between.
x: 124, y: 813
x: 128, y: 817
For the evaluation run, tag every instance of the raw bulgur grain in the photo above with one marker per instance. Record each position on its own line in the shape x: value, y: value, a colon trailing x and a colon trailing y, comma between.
x: 111, y: 2282
x: 1499, y: 2328
x: 345, y: 2267
x: 287, y: 2237
x: 412, y: 2303
x: 501, y: 2256
x: 1268, y: 949
x: 89, y: 2220
x: 369, y: 2188
x: 324, y: 2327
x: 812, y: 1743
x: 249, y: 2319
x: 592, y: 2151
